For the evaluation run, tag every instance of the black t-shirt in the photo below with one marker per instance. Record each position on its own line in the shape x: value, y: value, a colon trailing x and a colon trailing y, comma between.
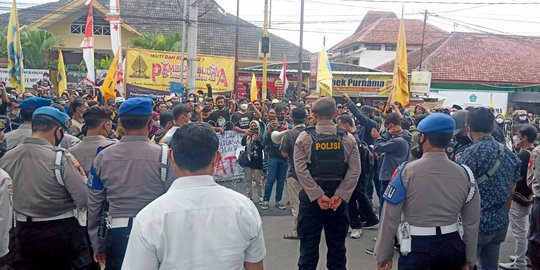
x: 287, y: 146
x: 221, y: 119
x: 242, y: 120
x: 521, y: 185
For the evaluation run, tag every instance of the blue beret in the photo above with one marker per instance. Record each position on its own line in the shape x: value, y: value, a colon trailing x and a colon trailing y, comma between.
x: 35, y: 102
x: 137, y: 106
x: 437, y: 122
x: 54, y: 113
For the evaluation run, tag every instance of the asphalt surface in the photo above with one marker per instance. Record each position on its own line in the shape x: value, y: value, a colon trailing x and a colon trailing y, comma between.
x: 283, y: 254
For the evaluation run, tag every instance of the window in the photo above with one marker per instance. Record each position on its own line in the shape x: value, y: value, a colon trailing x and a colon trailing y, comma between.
x: 373, y: 47
x: 345, y: 51
x: 101, y: 26
x: 355, y: 48
x: 390, y: 47
x: 355, y: 62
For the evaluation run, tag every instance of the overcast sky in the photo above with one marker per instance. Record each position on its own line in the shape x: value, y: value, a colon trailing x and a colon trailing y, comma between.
x: 337, y: 19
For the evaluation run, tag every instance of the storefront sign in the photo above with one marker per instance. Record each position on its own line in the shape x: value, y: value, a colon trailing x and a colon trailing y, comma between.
x: 361, y: 85
x: 420, y: 82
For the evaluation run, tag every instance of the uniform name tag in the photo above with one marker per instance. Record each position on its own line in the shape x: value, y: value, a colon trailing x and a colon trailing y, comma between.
x: 328, y: 146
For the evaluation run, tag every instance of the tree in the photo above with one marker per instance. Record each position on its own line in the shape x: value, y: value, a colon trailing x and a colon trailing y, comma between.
x: 158, y: 42
x: 36, y: 46
x: 104, y: 63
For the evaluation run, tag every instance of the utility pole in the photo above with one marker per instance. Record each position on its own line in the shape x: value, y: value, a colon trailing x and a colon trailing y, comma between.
x: 192, y: 47
x: 423, y: 34
x: 235, y: 94
x: 265, y: 56
x: 184, y: 18
x: 300, y: 52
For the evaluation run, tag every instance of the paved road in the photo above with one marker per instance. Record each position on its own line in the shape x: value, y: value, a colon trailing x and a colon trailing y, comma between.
x: 283, y: 254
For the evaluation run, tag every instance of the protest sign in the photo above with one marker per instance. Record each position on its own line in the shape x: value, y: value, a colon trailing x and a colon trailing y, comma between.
x: 31, y: 76
x: 150, y: 72
x: 227, y: 168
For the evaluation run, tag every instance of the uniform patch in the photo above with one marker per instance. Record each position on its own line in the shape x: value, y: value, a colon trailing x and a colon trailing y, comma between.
x: 449, y: 149
x: 94, y: 182
x: 532, y: 159
x: 79, y: 167
x: 395, y: 192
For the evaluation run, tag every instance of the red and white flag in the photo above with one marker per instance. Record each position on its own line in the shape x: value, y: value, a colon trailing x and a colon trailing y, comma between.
x: 114, y: 19
x: 87, y: 2
x: 283, y: 77
x: 88, y: 46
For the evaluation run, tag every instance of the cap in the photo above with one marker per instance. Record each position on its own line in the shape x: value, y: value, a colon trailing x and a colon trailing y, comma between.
x: 119, y: 100
x: 459, y: 117
x: 437, y: 122
x: 136, y: 106
x: 61, y: 117
x: 110, y: 101
x: 34, y: 103
x: 4, y: 122
x: 367, y: 109
x: 324, y: 106
x: 275, y: 101
x: 457, y: 107
x: 167, y: 98
x: 358, y: 104
x: 339, y: 106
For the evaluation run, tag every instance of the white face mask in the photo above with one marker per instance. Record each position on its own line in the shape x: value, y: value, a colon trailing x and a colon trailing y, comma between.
x: 499, y: 120
x: 522, y: 117
x: 243, y: 107
x: 516, y: 139
x: 191, y: 99
x: 201, y: 100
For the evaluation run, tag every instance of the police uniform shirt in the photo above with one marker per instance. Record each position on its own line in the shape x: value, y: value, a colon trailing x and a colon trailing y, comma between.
x: 436, y: 191
x: 69, y: 141
x: 76, y: 127
x: 85, y: 151
x: 16, y: 137
x: 533, y: 172
x: 5, y: 211
x: 127, y: 174
x: 36, y: 191
x: 302, y: 157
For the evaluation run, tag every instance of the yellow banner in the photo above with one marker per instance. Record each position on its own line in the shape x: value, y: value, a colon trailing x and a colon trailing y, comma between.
x: 361, y: 85
x: 151, y: 71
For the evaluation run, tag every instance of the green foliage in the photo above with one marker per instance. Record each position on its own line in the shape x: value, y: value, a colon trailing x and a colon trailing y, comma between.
x: 3, y: 43
x: 104, y: 63
x: 158, y: 42
x: 36, y: 45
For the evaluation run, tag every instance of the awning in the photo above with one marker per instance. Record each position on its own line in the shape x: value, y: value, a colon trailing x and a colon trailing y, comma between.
x: 525, y: 97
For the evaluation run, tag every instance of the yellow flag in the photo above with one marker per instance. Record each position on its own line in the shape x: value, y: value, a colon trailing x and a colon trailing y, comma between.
x: 109, y: 84
x: 62, y: 79
x: 401, y: 71
x: 491, y: 101
x: 324, y: 74
x: 15, y: 53
x: 253, y: 91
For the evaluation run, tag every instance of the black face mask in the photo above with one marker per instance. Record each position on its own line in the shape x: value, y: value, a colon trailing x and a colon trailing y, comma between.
x: 254, y: 131
x: 220, y: 107
x: 56, y: 139
x: 280, y: 117
x: 420, y: 146
x: 463, y: 139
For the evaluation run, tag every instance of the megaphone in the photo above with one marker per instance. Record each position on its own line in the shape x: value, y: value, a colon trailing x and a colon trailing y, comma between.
x: 277, y: 136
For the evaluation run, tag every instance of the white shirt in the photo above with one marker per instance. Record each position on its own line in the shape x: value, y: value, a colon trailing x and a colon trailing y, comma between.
x: 196, y: 224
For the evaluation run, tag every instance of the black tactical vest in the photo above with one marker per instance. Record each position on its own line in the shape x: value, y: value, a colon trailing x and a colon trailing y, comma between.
x: 327, y: 154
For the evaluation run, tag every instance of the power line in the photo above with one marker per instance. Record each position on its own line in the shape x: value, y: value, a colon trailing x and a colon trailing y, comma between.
x: 444, y: 3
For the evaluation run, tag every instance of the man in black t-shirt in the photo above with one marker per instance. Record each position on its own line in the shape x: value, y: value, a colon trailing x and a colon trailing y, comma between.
x: 244, y: 116
x: 220, y: 120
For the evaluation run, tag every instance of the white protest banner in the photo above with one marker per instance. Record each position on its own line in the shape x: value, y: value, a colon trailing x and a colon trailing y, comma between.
x: 31, y: 76
x: 227, y: 168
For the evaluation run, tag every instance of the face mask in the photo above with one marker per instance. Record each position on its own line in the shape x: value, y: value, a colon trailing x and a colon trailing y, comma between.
x: 280, y: 117
x: 156, y: 123
x: 516, y: 139
x: 56, y: 139
x: 169, y: 104
x: 420, y: 147
x: 254, y: 131
x: 46, y: 78
x: 191, y: 99
x: 452, y: 113
x: 522, y: 117
x: 499, y: 120
x: 201, y: 100
x: 469, y: 136
x: 243, y: 107
x: 15, y: 112
x: 220, y: 107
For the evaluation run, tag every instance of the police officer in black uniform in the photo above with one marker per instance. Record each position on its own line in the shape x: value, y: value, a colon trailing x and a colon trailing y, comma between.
x: 460, y: 141
x: 327, y: 163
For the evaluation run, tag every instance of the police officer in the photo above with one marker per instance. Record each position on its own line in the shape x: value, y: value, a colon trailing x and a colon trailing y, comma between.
x: 99, y: 123
x: 533, y: 181
x: 327, y: 164
x: 28, y: 106
x: 6, y: 213
x: 426, y: 196
x: 48, y: 183
x: 460, y: 141
x: 129, y: 174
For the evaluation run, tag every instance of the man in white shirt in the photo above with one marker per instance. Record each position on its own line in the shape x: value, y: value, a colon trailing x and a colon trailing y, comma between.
x: 197, y: 224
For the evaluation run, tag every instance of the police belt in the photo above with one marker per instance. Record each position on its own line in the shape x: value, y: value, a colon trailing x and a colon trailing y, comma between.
x: 116, y: 223
x: 23, y: 218
x: 431, y: 231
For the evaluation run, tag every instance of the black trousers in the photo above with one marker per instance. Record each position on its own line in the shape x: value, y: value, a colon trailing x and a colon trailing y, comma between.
x: 55, y: 245
x: 360, y: 205
x: 534, y: 235
x: 440, y: 252
x: 115, y: 246
x: 312, y: 220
